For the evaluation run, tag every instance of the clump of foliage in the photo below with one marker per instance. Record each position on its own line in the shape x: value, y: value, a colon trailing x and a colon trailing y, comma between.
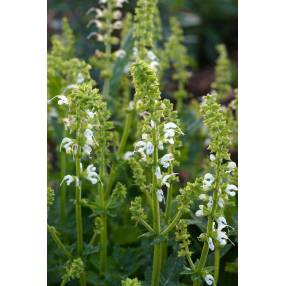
x: 117, y: 204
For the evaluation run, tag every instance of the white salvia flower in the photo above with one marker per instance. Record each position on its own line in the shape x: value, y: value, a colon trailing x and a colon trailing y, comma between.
x: 151, y: 56
x: 140, y: 147
x: 160, y: 195
x: 131, y: 105
x: 92, y: 176
x: 102, y: 1
x: 212, y: 157
x: 62, y: 100
x: 211, y: 244
x: 152, y: 124
x: 170, y: 125
x: 67, y: 143
x: 166, y: 178
x: 71, y: 86
x: 99, y: 12
x: 80, y: 78
x: 117, y: 25
x: 119, y: 3
x: 203, y: 197
x: 160, y: 145
x: 68, y: 179
x: 87, y: 149
x: 154, y: 65
x: 90, y: 114
x: 220, y: 203
x: 120, y: 54
x: 200, y: 212
x: 231, y: 165
x: 88, y: 136
x: 221, y: 221
x: 208, y: 180
x: 117, y: 15
x: 158, y: 173
x: 222, y: 237
x: 166, y: 160
x: 128, y: 155
x: 209, y: 279
x: 230, y: 190
x: 210, y: 203
x: 149, y: 148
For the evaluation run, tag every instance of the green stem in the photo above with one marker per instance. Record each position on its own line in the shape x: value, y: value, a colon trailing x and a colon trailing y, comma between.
x: 147, y: 226
x: 78, y: 215
x: 205, y: 250
x: 172, y: 224
x: 157, y: 257
x: 62, y: 190
x: 217, y: 262
x: 58, y: 241
x: 64, y: 282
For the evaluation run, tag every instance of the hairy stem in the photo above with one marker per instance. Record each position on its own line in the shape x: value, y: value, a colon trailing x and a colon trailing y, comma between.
x: 57, y: 240
x: 157, y: 256
x: 217, y: 262
x: 78, y: 215
x: 62, y: 190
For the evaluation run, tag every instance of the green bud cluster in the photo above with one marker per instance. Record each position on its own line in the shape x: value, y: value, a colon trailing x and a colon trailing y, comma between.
x: 137, y: 211
x: 184, y: 199
x: 216, y: 121
x: 175, y: 55
x: 50, y: 197
x: 182, y: 237
x: 73, y: 269
x: 131, y: 282
x: 144, y: 26
x: 222, y: 74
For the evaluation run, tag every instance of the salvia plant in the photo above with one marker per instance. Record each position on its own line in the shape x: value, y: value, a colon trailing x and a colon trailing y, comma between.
x: 120, y: 210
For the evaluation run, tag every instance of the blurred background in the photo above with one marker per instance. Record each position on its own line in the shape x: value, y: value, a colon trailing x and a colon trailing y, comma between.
x: 205, y: 24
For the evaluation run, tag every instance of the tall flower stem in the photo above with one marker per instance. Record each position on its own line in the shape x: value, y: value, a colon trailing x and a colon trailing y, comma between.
x: 62, y: 190
x: 217, y: 262
x: 78, y: 215
x: 205, y: 250
x: 168, y: 213
x: 157, y: 256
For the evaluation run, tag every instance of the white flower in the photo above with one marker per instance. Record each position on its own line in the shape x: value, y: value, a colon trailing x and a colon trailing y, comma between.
x: 211, y: 244
x: 80, y: 78
x: 144, y: 136
x: 210, y: 203
x: 88, y: 136
x: 212, y: 157
x: 221, y: 221
x: 160, y: 145
x: 62, y: 100
x: 67, y: 143
x: 102, y: 1
x: 220, y: 203
x: 200, y: 212
x: 154, y: 65
x: 166, y: 178
x: 151, y: 56
x: 166, y: 160
x: 231, y: 165
x: 69, y: 179
x: 92, y: 176
x: 87, y: 149
x: 140, y: 147
x: 90, y: 114
x: 152, y: 124
x: 169, y: 132
x: 120, y: 53
x: 119, y: 3
x: 117, y: 25
x: 222, y: 237
x: 203, y: 197
x: 149, y: 148
x: 71, y: 86
x: 209, y: 279
x: 117, y: 15
x: 208, y: 180
x: 230, y: 190
x: 170, y: 125
x: 131, y: 105
x: 160, y: 195
x: 128, y: 155
x: 158, y: 173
